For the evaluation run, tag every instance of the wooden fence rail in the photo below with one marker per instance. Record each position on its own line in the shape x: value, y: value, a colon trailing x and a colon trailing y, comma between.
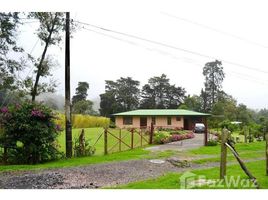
x: 131, y: 144
x: 226, y: 143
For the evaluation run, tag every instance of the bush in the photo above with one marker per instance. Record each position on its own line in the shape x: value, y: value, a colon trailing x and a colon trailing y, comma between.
x: 112, y: 125
x: 82, y: 146
x: 212, y: 143
x: 29, y: 133
x: 162, y: 138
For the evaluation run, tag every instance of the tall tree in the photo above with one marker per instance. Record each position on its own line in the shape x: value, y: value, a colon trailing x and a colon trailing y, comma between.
x: 80, y: 92
x: 214, y: 76
x: 159, y: 93
x: 50, y: 33
x: 120, y: 95
x: 192, y: 103
x: 81, y: 105
x: 84, y: 107
x: 9, y: 23
x: 243, y: 114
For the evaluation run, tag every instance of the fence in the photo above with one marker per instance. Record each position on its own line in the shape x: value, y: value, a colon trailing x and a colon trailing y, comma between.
x: 111, y: 140
x: 227, y: 143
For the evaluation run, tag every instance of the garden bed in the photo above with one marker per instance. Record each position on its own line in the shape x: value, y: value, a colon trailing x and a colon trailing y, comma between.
x: 167, y: 136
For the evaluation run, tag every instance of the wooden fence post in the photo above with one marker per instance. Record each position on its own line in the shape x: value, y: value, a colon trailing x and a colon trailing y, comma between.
x: 151, y: 133
x: 120, y: 140
x: 5, y: 156
x: 141, y: 137
x: 206, y: 132
x: 105, y: 141
x: 132, y: 138
x: 266, y: 137
x: 224, y: 137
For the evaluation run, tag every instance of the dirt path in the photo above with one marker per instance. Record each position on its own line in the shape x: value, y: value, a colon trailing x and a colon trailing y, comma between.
x: 92, y: 176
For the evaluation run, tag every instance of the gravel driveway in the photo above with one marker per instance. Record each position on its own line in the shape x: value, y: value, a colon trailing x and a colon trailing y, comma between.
x: 91, y: 176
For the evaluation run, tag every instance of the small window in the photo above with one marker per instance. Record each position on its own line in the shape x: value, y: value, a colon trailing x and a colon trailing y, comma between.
x: 168, y: 120
x: 127, y: 120
x: 153, y: 120
x: 178, y: 118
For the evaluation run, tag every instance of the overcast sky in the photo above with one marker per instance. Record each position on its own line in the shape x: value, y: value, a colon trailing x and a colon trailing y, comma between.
x: 234, y: 31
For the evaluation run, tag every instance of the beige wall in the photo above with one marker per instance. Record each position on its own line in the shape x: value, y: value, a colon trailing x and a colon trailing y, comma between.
x: 119, y: 122
x: 162, y: 121
x: 159, y: 121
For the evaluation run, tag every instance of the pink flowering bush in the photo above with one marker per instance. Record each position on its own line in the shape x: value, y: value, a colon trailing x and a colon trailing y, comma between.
x: 163, y: 138
x: 29, y: 133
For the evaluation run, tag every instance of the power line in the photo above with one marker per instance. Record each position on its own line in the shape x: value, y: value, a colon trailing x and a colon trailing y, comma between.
x: 172, y: 47
x: 192, y: 61
x: 136, y: 44
x: 216, y: 30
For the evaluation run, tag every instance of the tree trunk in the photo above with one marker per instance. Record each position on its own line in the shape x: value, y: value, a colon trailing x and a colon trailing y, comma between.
x: 39, y: 68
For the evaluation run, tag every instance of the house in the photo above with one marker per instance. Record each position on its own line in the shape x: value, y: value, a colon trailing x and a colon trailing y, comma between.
x: 165, y: 118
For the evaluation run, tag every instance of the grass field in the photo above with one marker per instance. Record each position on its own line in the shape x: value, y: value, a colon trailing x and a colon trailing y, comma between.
x: 94, y: 133
x: 173, y: 181
x: 247, y: 151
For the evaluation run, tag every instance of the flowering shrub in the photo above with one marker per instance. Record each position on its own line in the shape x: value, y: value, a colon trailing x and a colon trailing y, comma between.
x: 28, y: 133
x: 162, y: 138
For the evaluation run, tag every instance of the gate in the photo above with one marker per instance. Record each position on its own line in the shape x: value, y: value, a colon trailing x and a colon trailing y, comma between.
x: 111, y: 140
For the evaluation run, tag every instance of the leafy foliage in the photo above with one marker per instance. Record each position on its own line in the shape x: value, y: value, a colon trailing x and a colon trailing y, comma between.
x: 214, y: 75
x: 12, y: 57
x: 120, y: 95
x: 159, y: 93
x: 82, y: 146
x: 166, y: 137
x: 50, y: 33
x: 29, y: 133
x: 81, y: 92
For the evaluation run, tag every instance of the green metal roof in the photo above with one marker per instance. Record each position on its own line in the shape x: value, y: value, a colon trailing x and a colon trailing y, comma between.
x: 161, y: 112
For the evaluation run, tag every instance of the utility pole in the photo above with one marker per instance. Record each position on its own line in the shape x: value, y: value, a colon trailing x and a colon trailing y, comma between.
x: 68, y: 125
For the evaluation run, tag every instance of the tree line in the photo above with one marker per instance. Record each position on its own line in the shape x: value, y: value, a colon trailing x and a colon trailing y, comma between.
x: 124, y: 94
x: 121, y: 95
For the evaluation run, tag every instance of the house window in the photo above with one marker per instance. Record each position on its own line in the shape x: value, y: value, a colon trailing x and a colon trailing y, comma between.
x: 153, y: 120
x: 127, y: 120
x: 178, y: 118
x: 168, y: 120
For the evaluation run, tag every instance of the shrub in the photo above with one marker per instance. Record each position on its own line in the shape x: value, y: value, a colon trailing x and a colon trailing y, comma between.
x: 212, y: 143
x: 161, y: 138
x: 29, y: 133
x: 112, y: 125
x: 82, y: 146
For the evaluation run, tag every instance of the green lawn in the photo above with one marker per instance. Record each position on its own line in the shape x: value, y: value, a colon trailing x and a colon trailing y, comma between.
x: 172, y: 180
x: 137, y: 153
x: 94, y: 133
x: 247, y: 151
x: 126, y: 155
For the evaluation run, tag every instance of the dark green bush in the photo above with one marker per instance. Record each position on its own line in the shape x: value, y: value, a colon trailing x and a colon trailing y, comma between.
x: 29, y: 133
x: 212, y: 143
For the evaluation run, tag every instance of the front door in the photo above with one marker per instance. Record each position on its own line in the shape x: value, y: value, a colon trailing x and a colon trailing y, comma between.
x: 186, y: 124
x: 143, y: 121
